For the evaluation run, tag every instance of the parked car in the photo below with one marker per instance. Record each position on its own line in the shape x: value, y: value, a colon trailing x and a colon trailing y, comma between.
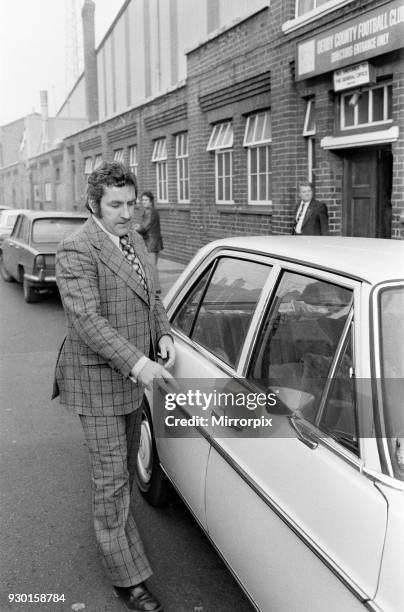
x: 304, y: 336
x: 8, y: 217
x: 28, y: 255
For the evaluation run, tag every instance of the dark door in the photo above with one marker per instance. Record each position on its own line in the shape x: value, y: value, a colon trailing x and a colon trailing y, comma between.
x: 367, y: 193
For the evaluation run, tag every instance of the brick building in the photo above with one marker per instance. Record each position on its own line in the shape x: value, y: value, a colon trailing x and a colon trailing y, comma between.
x: 295, y: 89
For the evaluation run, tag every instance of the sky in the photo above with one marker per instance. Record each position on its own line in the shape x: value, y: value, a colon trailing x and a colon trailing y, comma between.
x: 34, y: 49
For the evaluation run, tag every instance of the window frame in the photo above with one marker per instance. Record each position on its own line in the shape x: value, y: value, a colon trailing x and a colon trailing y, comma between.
x: 48, y: 191
x: 369, y: 124
x: 88, y: 166
x: 159, y: 158
x: 259, y: 142
x: 119, y: 155
x: 182, y: 163
x: 133, y: 159
x: 220, y: 157
x: 97, y: 161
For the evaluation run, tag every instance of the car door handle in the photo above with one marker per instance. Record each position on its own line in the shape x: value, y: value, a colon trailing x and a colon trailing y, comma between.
x: 302, y: 432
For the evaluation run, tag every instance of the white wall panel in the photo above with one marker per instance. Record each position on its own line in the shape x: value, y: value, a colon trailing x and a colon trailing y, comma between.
x: 137, y: 46
x: 192, y: 28
x: 100, y: 73
x: 120, y: 65
x: 235, y: 9
x: 108, y: 70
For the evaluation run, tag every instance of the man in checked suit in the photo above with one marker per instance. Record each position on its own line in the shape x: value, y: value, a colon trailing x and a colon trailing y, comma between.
x: 115, y: 323
x: 311, y: 217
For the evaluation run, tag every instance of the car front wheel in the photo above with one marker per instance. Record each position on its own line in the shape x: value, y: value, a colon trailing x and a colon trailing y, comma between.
x: 150, y: 478
x: 30, y: 294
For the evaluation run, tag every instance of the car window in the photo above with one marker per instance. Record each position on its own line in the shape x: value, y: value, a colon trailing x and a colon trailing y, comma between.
x: 54, y: 230
x: 185, y: 316
x: 299, y: 338
x: 338, y: 418
x: 22, y: 232
x: 226, y: 307
x: 17, y: 226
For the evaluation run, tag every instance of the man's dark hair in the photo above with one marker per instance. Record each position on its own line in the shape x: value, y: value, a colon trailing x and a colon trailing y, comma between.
x: 148, y: 194
x: 108, y: 174
x: 306, y: 183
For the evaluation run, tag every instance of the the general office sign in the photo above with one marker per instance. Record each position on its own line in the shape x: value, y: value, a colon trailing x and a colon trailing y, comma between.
x: 373, y: 33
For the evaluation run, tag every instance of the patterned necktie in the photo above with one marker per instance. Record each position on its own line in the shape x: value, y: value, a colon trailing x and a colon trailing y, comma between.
x: 133, y: 259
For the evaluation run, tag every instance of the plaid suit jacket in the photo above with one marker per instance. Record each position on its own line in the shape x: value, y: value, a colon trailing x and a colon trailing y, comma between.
x: 110, y: 322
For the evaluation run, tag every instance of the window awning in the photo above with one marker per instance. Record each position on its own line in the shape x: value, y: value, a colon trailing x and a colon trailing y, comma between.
x: 365, y: 139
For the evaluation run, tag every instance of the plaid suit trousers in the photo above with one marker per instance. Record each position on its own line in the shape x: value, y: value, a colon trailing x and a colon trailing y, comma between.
x: 113, y: 442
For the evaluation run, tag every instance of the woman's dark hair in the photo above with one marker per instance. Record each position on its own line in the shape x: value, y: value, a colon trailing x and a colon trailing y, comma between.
x: 149, y: 195
x: 108, y: 174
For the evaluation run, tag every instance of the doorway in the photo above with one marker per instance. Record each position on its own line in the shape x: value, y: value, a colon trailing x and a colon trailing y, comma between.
x: 368, y: 177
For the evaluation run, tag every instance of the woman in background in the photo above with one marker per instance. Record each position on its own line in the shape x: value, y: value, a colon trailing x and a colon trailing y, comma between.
x: 149, y: 228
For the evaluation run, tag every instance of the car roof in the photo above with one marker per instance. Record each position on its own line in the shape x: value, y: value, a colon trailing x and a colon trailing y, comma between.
x: 9, y: 211
x: 371, y: 259
x: 41, y: 214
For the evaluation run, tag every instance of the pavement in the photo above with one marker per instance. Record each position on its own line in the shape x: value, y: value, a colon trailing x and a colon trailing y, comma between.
x: 169, y: 271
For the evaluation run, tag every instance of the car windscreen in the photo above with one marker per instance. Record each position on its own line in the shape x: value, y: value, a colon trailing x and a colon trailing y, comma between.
x: 54, y: 230
x: 391, y: 322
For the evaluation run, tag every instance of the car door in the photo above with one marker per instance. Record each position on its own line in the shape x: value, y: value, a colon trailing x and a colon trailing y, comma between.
x: 210, y: 323
x: 289, y: 507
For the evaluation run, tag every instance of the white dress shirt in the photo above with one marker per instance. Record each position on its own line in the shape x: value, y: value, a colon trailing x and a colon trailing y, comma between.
x: 300, y: 215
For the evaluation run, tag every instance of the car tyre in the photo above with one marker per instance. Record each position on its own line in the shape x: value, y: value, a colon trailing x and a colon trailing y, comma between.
x: 30, y: 294
x: 151, y: 480
x: 4, y: 274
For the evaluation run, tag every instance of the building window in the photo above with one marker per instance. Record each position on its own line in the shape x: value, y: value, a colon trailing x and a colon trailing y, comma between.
x: 305, y: 6
x: 97, y: 161
x: 118, y: 156
x: 367, y: 107
x: 181, y: 155
x: 221, y: 142
x: 133, y: 163
x: 309, y: 131
x: 36, y: 193
x: 258, y: 138
x: 48, y: 192
x: 159, y: 157
x: 57, y: 175
x: 88, y: 165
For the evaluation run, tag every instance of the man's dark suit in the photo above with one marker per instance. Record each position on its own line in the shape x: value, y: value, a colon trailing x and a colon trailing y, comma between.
x: 315, y: 222
x: 111, y: 323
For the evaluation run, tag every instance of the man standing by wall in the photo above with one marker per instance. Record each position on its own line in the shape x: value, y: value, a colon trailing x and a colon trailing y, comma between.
x: 115, y: 322
x: 311, y: 216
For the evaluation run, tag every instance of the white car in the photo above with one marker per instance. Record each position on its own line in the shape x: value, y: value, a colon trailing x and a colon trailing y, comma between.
x: 298, y: 478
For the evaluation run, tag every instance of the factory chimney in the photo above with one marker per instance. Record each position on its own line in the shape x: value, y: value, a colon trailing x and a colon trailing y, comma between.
x: 90, y: 60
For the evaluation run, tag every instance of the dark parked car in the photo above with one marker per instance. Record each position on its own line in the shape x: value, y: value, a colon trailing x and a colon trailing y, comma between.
x: 28, y: 255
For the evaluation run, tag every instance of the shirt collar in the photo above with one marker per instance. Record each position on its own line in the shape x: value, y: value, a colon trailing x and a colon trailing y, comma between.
x: 115, y: 239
